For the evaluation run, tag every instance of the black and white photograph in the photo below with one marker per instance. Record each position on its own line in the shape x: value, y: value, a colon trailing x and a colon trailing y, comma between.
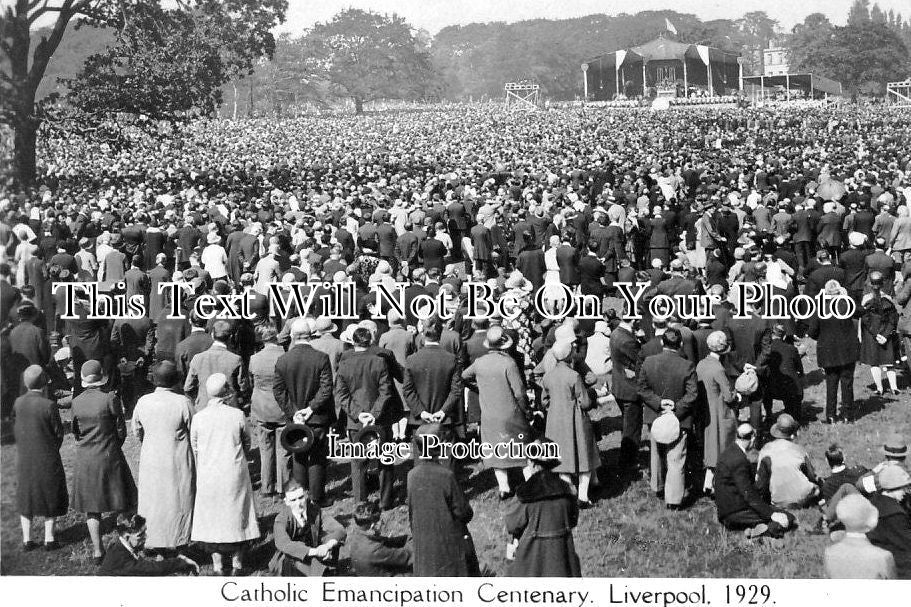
x: 446, y: 289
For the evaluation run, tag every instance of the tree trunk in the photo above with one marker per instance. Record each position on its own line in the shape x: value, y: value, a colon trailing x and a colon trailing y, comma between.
x: 26, y: 136
x: 358, y: 106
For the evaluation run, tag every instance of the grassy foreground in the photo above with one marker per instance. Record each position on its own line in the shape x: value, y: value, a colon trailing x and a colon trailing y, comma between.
x: 628, y: 533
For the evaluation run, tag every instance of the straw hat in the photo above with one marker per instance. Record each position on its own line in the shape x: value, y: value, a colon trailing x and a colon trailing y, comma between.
x: 92, y: 374
x: 497, y: 339
x: 785, y: 427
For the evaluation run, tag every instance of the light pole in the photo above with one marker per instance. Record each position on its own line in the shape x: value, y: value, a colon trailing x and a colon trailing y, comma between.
x: 585, y: 81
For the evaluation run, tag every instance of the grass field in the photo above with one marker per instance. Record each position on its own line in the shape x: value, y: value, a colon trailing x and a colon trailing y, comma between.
x: 628, y: 533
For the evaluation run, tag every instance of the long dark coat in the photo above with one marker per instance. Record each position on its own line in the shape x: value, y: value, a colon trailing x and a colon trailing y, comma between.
x: 836, y: 341
x: 439, y: 514
x: 42, y: 483
x: 102, y: 481
x: 543, y: 519
x: 879, y: 318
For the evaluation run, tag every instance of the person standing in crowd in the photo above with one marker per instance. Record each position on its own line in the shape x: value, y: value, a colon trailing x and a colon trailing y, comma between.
x: 542, y: 522
x: 878, y: 345
x: 432, y: 384
x: 268, y: 416
x: 566, y: 400
x: 439, y: 513
x: 363, y: 390
x: 722, y: 403
x: 41, y: 482
x: 667, y: 386
x: 504, y: 403
x: 224, y: 511
x: 218, y: 359
x: 837, y: 351
x: 785, y: 379
x: 626, y: 360
x: 102, y: 481
x: 740, y: 505
x: 161, y: 422
x: 303, y: 383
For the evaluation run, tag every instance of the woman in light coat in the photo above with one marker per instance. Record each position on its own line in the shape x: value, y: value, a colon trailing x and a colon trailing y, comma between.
x: 721, y: 401
x: 161, y: 421
x: 567, y: 402
x: 224, y: 514
x: 900, y: 238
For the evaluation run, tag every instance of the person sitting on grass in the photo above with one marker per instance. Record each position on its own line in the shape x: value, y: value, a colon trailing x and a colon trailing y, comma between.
x: 740, y: 504
x: 841, y: 483
x: 373, y: 555
x: 854, y: 557
x: 123, y: 554
x: 306, y: 542
x: 784, y: 471
x: 893, y: 531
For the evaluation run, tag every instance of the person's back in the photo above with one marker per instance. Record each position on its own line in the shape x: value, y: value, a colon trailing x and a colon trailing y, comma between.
x: 855, y: 558
x: 785, y: 462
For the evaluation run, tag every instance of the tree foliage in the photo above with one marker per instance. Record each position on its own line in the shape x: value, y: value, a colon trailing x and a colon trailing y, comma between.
x: 168, y: 60
x: 366, y: 56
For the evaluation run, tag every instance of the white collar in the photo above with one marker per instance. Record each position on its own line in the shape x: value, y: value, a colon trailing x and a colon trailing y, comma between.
x: 837, y: 469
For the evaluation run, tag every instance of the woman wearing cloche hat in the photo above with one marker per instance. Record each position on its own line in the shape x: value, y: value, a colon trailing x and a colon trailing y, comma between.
x: 102, y: 481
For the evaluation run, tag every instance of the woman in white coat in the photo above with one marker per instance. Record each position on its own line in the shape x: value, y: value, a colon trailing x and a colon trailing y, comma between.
x: 161, y: 421
x: 224, y: 515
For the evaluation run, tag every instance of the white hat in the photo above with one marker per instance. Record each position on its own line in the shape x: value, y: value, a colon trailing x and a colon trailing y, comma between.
x: 666, y: 429
x: 216, y: 384
x: 856, y: 239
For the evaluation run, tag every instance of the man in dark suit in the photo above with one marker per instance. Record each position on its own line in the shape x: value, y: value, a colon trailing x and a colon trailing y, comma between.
x: 785, y: 375
x: 625, y: 354
x: 667, y: 382
x: 303, y: 383
x: 187, y: 239
x: 407, y: 246
x: 482, y: 243
x: 740, y: 505
x: 458, y: 225
x: 591, y: 272
x: 823, y: 273
x: 804, y: 235
x: 433, y: 383
x: 385, y: 235
x: 158, y: 274
x: 853, y: 262
x: 752, y: 342
x: 197, y: 341
x: 137, y: 282
x: 364, y: 391
x: 568, y: 262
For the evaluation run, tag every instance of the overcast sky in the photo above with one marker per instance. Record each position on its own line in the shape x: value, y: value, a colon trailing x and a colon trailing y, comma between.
x: 433, y: 15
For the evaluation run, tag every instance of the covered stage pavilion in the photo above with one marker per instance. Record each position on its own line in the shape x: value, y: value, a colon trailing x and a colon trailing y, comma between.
x: 667, y: 67
x: 789, y: 86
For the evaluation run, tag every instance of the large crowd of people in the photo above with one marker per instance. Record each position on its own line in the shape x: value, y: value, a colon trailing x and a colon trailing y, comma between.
x: 805, y: 200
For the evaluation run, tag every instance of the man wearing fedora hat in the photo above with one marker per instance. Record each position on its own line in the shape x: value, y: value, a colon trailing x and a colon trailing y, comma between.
x: 218, y: 359
x: 893, y: 530
x: 854, y: 556
x: 303, y: 383
x: 784, y: 470
x: 895, y: 452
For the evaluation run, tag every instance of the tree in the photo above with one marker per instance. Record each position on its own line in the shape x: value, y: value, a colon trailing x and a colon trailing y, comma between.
x: 365, y: 56
x: 811, y: 44
x: 877, y: 15
x: 859, y: 13
x: 222, y: 39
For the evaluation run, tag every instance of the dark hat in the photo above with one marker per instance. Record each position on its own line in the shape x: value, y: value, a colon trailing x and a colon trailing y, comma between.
x: 164, y: 374
x: 785, y: 426
x: 92, y: 374
x: 545, y: 444
x: 370, y: 433
x: 297, y: 438
x: 895, y: 447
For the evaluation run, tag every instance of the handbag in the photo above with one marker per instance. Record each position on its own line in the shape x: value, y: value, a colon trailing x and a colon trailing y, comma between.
x: 747, y: 383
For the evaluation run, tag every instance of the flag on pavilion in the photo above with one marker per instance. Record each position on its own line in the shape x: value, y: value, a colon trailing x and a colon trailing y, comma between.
x: 670, y: 26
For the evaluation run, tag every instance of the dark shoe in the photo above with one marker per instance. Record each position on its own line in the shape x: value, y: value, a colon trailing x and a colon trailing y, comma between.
x: 674, y: 507
x: 29, y: 546
x: 97, y: 560
x: 585, y: 504
x: 505, y: 495
x: 51, y: 546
